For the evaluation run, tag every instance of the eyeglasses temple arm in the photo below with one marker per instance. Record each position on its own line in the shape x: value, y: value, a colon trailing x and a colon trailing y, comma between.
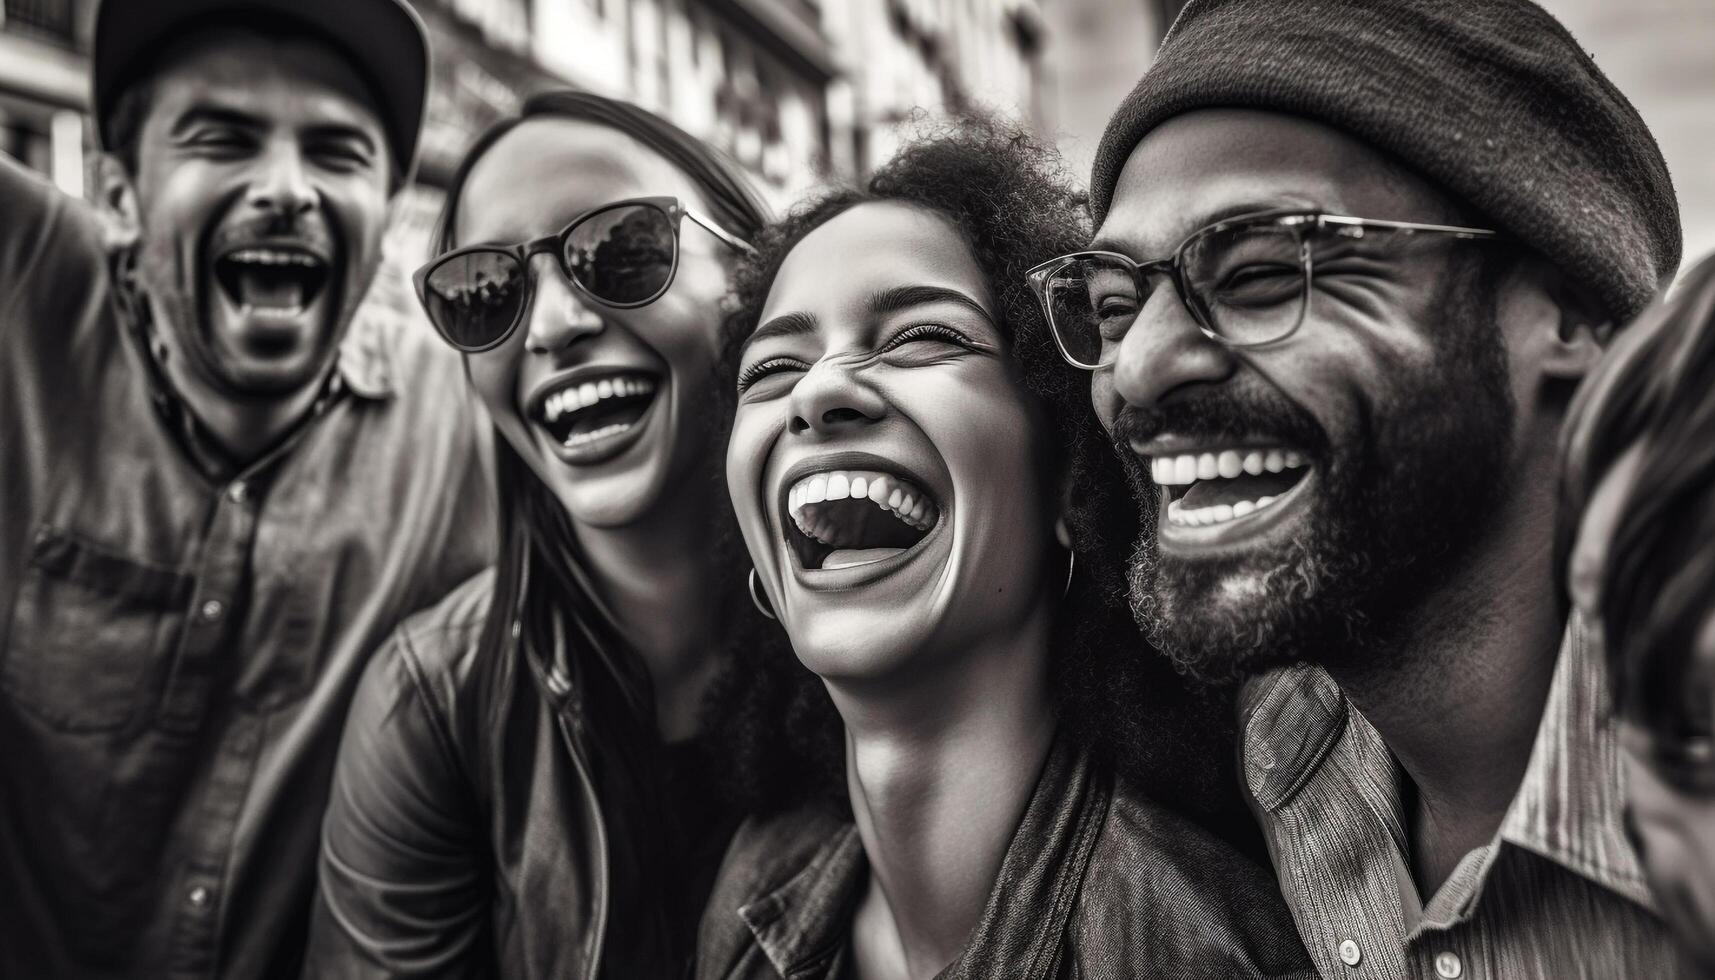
x: 720, y: 233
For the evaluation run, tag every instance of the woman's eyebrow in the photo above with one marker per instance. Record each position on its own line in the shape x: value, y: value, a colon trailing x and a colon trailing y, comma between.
x: 782, y: 326
x: 905, y: 297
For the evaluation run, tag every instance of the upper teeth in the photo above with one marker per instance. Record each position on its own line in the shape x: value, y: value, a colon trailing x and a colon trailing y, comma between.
x: 580, y: 396
x: 266, y: 256
x: 886, y: 491
x: 1169, y: 471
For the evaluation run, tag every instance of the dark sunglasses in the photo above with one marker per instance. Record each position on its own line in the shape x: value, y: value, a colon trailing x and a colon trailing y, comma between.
x: 622, y: 255
x: 1246, y: 280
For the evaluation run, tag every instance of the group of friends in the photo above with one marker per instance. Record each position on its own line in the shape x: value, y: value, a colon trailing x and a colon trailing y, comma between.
x: 1292, y: 557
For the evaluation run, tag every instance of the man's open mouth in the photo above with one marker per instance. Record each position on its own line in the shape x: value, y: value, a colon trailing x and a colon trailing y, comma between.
x: 280, y: 280
x: 1221, y: 485
x: 589, y: 412
x: 844, y: 518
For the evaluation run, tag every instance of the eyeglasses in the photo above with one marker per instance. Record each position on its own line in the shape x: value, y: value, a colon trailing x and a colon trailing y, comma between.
x: 622, y: 255
x: 1245, y: 280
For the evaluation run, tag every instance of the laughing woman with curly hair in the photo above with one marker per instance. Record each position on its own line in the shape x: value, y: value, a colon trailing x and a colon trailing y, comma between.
x: 932, y: 512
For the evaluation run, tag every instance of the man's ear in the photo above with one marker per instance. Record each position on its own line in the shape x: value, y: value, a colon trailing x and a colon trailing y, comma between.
x: 117, y: 200
x: 1574, y: 326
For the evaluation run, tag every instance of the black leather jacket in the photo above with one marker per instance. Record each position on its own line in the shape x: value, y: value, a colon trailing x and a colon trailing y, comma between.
x: 1098, y: 882
x: 465, y: 837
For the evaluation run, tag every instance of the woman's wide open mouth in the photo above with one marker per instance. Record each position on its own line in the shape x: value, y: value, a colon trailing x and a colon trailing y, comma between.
x: 591, y: 416
x: 843, y: 518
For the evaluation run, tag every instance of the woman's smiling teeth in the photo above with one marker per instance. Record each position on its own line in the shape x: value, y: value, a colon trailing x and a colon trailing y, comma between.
x: 1216, y: 487
x: 837, y: 527
x: 584, y: 412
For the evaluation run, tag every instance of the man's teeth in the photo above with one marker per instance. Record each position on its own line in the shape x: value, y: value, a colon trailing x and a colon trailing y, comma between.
x: 1218, y: 514
x: 582, y: 396
x: 897, y: 497
x: 268, y: 256
x: 1172, y: 471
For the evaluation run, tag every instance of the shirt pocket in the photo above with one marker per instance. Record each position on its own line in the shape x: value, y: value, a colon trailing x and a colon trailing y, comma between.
x: 92, y: 631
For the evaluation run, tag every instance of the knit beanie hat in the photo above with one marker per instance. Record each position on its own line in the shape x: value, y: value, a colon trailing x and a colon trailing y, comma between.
x: 1491, y: 99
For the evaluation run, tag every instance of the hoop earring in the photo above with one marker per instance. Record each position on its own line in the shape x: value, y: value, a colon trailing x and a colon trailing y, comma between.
x: 1071, y: 567
x: 757, y: 599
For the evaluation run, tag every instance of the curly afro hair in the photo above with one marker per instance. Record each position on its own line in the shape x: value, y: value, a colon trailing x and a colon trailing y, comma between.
x: 1010, y: 199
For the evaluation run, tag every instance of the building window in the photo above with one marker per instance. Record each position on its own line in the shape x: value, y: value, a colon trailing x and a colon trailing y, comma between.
x: 50, y: 20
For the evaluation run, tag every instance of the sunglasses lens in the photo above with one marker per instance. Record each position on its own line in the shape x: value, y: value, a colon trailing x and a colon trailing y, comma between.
x: 623, y: 255
x: 474, y: 298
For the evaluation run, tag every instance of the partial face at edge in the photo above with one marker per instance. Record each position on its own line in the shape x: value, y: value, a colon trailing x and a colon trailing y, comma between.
x: 1670, y: 820
x: 884, y: 462
x: 1393, y: 396
x: 638, y: 430
x: 261, y: 196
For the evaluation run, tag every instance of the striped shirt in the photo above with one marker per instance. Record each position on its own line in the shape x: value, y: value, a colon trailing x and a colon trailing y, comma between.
x: 1557, y: 893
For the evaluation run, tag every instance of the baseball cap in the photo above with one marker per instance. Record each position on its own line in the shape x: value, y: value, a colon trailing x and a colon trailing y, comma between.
x: 384, y: 39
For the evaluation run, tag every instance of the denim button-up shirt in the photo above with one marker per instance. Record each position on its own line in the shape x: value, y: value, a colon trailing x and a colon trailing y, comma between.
x: 1098, y: 881
x: 179, y: 637
x: 1557, y: 893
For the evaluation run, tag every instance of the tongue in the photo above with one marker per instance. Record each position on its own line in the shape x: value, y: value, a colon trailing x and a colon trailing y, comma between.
x: 1209, y: 493
x: 264, y: 289
x: 847, y: 557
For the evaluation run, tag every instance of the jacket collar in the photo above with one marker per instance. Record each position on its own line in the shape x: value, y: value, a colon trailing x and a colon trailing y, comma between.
x: 803, y: 925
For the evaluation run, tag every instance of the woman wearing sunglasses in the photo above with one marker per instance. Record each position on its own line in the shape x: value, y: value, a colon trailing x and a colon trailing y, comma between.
x: 523, y: 789
x: 940, y: 528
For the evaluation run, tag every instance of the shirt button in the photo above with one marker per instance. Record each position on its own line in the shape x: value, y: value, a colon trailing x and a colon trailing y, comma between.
x: 211, y: 610
x: 1350, y: 954
x: 237, y: 493
x: 199, y: 897
x: 1262, y: 757
x: 1447, y: 965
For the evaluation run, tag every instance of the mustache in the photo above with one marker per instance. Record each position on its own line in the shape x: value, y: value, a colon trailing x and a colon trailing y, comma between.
x: 281, y: 229
x: 1223, y: 414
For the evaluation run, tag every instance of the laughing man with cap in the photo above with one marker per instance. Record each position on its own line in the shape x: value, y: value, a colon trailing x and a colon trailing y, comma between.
x: 1352, y: 258
x: 220, y: 487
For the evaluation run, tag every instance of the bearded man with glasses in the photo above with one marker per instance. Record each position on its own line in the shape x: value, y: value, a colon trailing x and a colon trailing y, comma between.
x: 1352, y: 257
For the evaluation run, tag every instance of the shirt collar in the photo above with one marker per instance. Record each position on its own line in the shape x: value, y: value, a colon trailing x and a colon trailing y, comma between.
x: 1570, y: 806
x: 366, y: 362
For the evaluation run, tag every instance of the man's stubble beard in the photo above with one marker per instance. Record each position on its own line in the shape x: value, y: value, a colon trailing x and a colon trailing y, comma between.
x: 172, y: 286
x: 1393, y: 515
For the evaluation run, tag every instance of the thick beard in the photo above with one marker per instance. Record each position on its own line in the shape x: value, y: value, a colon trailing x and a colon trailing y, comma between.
x: 1393, y: 515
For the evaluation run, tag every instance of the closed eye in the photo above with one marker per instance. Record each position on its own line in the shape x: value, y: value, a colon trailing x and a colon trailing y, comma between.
x: 221, y: 141
x: 927, y: 332
x: 762, y: 369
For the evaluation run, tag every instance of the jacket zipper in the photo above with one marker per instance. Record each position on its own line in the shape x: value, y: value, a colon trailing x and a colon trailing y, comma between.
x: 601, y: 846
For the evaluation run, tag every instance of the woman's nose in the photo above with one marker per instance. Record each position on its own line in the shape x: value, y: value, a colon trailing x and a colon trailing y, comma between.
x: 558, y: 315
x: 831, y: 398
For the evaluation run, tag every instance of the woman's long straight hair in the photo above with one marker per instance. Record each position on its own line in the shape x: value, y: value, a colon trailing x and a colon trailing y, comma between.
x: 542, y: 596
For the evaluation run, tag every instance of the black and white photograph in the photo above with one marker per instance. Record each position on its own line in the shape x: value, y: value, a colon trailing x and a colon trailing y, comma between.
x: 857, y: 489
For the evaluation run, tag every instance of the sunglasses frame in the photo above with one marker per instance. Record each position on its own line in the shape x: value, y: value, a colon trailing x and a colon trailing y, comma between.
x: 1173, y: 267
x: 674, y: 209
